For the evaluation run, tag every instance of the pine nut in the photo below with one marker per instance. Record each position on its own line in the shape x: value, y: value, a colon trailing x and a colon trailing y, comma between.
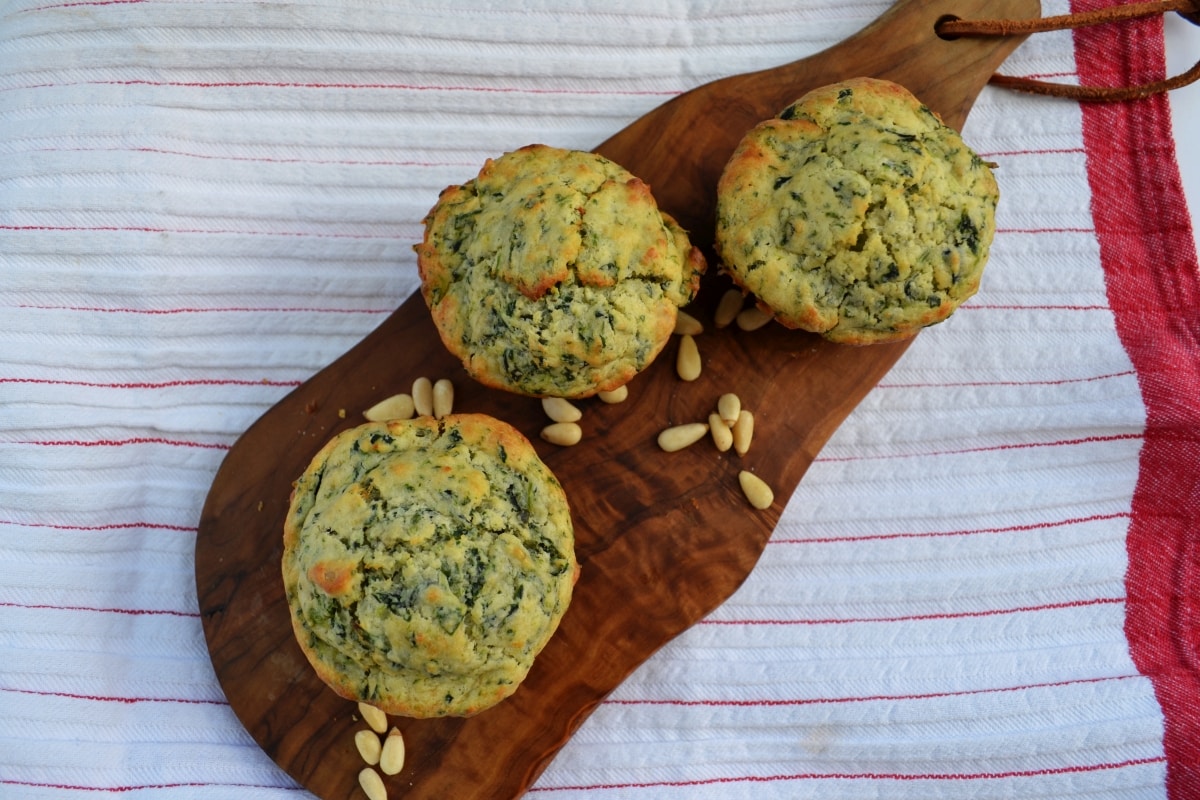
x: 373, y: 717
x: 561, y: 410
x: 681, y: 436
x: 743, y: 432
x: 563, y: 434
x: 721, y: 435
x: 368, y: 746
x: 443, y: 398
x: 687, y: 362
x: 685, y: 323
x: 756, y: 490
x: 729, y: 405
x: 753, y: 318
x: 422, y: 394
x: 372, y: 784
x: 398, y: 406
x: 617, y: 395
x: 727, y: 309
x: 391, y: 760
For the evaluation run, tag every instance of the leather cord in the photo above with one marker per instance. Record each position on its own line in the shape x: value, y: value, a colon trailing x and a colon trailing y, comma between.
x: 953, y: 27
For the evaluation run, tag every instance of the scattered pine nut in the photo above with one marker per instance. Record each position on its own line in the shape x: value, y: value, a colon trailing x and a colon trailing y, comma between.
x: 443, y: 398
x: 617, y: 395
x: 729, y: 405
x: 753, y: 318
x: 372, y: 784
x: 391, y: 759
x: 398, y: 406
x: 368, y: 746
x: 727, y: 309
x: 687, y: 362
x: 563, y: 434
x: 743, y: 432
x: 681, y: 436
x: 341, y: 413
x: 561, y: 410
x: 721, y: 435
x: 756, y: 490
x: 685, y: 323
x: 373, y: 717
x: 422, y: 395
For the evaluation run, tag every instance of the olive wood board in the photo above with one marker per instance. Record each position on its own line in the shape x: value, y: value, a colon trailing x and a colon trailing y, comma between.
x: 662, y: 538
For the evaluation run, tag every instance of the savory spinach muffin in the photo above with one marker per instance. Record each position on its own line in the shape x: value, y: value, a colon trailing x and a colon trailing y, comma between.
x: 856, y: 214
x: 553, y: 273
x: 426, y: 563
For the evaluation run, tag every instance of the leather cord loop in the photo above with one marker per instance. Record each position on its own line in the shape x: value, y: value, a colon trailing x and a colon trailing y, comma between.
x: 953, y: 27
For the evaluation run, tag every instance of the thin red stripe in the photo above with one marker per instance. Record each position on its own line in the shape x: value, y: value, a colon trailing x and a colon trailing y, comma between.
x: 1045, y: 151
x: 415, y: 163
x: 1045, y: 230
x: 1116, y: 437
x: 346, y: 162
x: 1052, y: 382
x: 101, y: 698
x: 153, y: 384
x: 142, y: 786
x: 320, y: 310
x: 123, y: 442
x: 1073, y: 769
x: 768, y: 702
x: 214, y: 309
x: 88, y: 3
x: 264, y: 382
x: 134, y: 612
x: 808, y: 540
x: 1033, y: 307
x: 190, y: 231
x: 991, y: 612
x: 964, y: 532
x: 1153, y: 282
x: 404, y: 87
x: 112, y: 526
x: 1045, y: 75
x: 523, y: 13
x: 828, y: 621
x: 323, y: 235
x: 808, y: 701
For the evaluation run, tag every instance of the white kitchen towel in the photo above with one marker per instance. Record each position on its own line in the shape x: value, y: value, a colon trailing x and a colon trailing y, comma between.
x: 986, y: 585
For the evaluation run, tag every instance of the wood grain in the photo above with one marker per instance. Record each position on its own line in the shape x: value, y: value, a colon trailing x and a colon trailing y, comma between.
x: 663, y: 539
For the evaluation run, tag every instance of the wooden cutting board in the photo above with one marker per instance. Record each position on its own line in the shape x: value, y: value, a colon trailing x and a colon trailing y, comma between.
x: 662, y: 538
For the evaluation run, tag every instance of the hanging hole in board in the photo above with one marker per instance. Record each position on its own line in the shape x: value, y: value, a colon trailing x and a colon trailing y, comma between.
x: 941, y: 23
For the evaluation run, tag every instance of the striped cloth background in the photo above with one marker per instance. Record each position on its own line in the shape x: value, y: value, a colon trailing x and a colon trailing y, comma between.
x: 985, y: 587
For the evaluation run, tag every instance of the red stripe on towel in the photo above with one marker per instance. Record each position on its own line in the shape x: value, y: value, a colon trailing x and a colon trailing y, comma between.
x: 1153, y: 284
x: 868, y: 776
